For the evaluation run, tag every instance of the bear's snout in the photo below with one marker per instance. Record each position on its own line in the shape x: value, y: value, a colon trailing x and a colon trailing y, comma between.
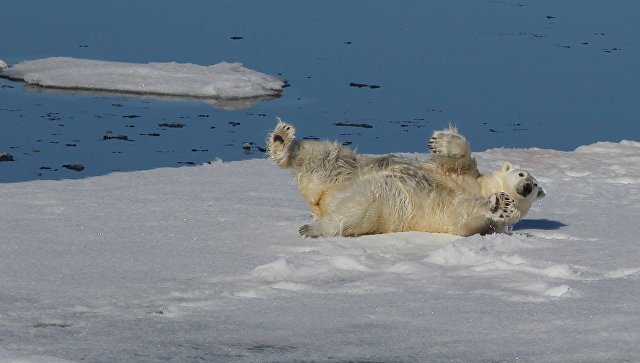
x: 525, y: 189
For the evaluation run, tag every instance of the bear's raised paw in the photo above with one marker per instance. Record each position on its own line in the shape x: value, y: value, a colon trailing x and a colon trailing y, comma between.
x: 279, y: 140
x: 502, y: 207
x: 449, y: 143
x: 282, y: 135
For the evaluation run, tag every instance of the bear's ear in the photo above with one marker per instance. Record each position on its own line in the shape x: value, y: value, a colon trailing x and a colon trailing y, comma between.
x: 507, y: 166
x: 541, y: 194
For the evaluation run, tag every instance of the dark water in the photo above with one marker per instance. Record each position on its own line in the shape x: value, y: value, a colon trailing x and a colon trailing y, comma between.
x: 526, y: 73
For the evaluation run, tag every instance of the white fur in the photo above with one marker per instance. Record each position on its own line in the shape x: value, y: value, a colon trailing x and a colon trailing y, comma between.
x: 350, y: 194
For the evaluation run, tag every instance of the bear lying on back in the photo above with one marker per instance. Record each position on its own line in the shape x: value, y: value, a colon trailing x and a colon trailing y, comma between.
x: 351, y: 194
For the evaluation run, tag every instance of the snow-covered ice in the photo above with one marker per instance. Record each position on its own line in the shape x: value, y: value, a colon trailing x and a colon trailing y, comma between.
x: 204, y: 263
x: 222, y: 80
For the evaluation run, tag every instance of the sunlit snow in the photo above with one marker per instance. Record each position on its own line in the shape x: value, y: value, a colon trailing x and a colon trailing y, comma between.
x: 204, y: 264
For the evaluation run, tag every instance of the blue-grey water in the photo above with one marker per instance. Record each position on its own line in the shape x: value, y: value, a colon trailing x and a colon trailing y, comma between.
x: 549, y: 74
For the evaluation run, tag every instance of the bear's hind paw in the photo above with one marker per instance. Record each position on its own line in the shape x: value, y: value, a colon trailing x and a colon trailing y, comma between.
x: 278, y: 142
x: 307, y: 231
x: 282, y: 134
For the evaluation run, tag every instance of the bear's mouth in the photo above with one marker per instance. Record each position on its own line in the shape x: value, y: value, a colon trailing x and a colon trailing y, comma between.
x: 524, y: 189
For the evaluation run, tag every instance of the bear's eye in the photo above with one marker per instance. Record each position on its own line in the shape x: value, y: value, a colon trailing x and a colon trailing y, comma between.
x: 535, y: 185
x: 521, y: 175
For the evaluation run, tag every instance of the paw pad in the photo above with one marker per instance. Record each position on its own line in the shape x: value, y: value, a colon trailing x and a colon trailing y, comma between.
x: 448, y: 143
x: 307, y: 231
x: 502, y: 206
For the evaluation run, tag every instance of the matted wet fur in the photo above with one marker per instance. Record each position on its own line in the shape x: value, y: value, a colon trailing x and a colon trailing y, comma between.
x: 351, y: 194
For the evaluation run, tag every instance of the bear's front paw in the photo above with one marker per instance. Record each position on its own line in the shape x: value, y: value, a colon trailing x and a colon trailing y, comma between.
x: 502, y: 207
x: 449, y: 143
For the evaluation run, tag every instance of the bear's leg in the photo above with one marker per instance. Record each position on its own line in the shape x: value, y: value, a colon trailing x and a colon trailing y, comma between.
x: 482, y: 215
x: 280, y: 142
x: 325, y: 160
x: 355, y: 218
x: 451, y: 152
x: 322, y: 228
x: 318, y: 166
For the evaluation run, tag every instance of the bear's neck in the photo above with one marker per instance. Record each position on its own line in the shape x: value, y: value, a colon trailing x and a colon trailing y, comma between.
x: 490, y: 184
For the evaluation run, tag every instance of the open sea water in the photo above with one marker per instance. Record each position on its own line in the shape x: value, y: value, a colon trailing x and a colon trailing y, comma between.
x: 378, y: 76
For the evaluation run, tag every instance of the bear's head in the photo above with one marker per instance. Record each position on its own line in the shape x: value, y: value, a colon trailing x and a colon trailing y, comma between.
x: 520, y: 186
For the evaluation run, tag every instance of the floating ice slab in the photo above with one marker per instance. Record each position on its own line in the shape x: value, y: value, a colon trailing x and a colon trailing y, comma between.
x: 222, y: 80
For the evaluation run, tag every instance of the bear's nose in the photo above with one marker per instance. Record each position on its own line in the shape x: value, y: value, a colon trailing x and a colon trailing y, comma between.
x: 527, y: 189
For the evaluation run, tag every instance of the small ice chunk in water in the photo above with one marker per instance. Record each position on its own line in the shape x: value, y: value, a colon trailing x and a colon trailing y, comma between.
x: 222, y: 80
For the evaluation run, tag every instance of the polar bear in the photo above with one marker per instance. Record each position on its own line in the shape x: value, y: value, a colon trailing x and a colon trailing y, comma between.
x: 351, y: 194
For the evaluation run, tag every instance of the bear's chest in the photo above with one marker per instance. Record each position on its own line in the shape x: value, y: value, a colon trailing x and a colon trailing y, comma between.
x: 464, y: 184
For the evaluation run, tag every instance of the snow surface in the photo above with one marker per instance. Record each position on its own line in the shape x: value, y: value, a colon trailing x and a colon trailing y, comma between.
x: 204, y: 264
x: 222, y: 80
